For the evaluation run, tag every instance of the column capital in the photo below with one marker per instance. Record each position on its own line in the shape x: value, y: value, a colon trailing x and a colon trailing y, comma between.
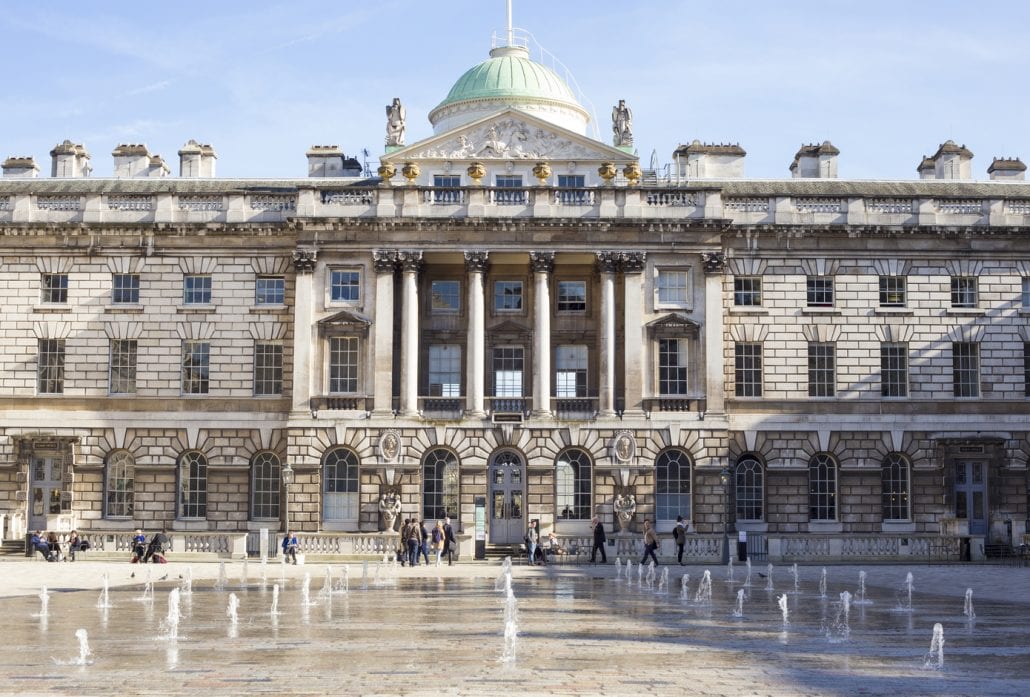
x: 304, y: 260
x: 632, y: 262
x: 410, y: 260
x: 713, y: 262
x: 608, y: 262
x: 541, y: 262
x: 384, y: 260
x: 477, y: 262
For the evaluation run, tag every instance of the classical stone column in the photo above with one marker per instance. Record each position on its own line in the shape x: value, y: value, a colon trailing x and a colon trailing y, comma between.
x: 635, y: 354
x: 542, y: 264
x: 304, y: 261
x: 476, y: 264
x: 607, y: 264
x: 411, y: 263
x: 385, y: 264
x: 715, y: 379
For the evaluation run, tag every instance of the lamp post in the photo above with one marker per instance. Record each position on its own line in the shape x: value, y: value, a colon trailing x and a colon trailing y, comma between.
x: 724, y: 479
x: 287, y: 476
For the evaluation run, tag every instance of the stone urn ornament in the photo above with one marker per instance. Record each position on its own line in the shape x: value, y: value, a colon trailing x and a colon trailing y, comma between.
x: 607, y: 171
x: 387, y: 171
x: 410, y: 172
x: 632, y: 173
x: 542, y: 171
x: 476, y: 172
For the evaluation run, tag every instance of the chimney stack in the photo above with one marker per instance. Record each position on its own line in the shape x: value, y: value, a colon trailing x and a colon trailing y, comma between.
x: 815, y: 162
x: 1006, y: 169
x: 329, y: 161
x: 24, y: 167
x: 70, y: 160
x: 709, y: 160
x: 197, y: 160
x: 949, y: 162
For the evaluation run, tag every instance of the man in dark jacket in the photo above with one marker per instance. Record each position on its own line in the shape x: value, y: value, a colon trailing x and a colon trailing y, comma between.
x: 599, y: 540
x: 449, y: 542
x: 156, y: 549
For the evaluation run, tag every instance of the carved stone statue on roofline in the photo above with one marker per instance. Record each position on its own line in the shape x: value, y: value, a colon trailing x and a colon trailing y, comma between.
x: 395, y: 115
x: 622, y: 124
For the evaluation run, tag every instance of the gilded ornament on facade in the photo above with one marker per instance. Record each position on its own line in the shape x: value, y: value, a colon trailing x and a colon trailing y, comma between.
x: 542, y: 171
x: 632, y: 173
x: 607, y: 171
x: 476, y: 171
x: 387, y: 171
x: 410, y: 172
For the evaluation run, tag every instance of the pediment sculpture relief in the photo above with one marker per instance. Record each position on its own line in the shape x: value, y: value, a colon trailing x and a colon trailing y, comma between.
x: 507, y: 139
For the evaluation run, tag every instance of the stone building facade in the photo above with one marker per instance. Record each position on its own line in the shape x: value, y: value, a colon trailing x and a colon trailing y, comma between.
x: 515, y: 322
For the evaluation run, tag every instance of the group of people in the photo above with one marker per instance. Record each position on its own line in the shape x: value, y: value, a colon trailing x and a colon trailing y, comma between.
x: 416, y: 541
x: 49, y: 545
x: 651, y: 541
x: 153, y: 551
x: 538, y: 553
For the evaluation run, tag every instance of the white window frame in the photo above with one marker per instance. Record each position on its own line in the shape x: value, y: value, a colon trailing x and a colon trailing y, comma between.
x: 358, y: 285
x: 687, y: 301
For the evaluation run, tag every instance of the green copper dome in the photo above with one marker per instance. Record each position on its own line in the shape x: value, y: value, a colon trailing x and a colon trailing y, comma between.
x: 509, y: 74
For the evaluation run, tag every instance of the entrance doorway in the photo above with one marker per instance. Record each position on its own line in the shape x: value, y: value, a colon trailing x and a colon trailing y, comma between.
x: 507, y: 525
x: 45, y: 489
x: 971, y: 495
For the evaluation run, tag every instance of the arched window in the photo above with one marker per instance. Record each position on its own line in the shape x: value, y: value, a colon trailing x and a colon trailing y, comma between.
x: 672, y: 485
x: 192, y: 485
x: 118, y: 488
x: 439, y: 485
x: 340, y: 498
x: 572, y: 485
x: 265, y: 483
x: 894, y: 487
x: 749, y: 489
x: 822, y: 488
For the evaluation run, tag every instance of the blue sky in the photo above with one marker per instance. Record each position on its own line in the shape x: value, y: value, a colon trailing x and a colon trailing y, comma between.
x: 262, y: 81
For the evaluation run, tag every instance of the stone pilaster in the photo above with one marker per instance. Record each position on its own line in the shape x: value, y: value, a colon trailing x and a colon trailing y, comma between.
x: 635, y: 352
x: 714, y: 264
x: 607, y: 265
x: 410, y: 263
x: 385, y: 264
x: 304, y: 330
x: 542, y: 264
x: 476, y: 264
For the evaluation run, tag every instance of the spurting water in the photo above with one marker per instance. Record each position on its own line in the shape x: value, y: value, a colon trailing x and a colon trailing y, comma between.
x: 223, y: 580
x: 275, y: 600
x: 511, y: 620
x: 768, y: 577
x: 747, y: 579
x: 967, y: 609
x: 738, y: 610
x: 663, y: 581
x: 935, y: 658
x: 640, y: 574
x: 282, y: 570
x: 618, y: 568
x: 905, y: 602
x: 305, y: 591
x: 629, y: 571
x: 326, y: 591
x: 148, y: 590
x: 782, y: 602
x: 685, y: 587
x: 264, y: 570
x: 243, y: 575
x: 104, y: 601
x: 729, y: 570
x: 822, y: 583
x: 794, y: 573
x: 44, y: 601
x: 650, y: 574
x: 232, y: 610
x: 186, y: 587
x: 364, y: 574
x: 171, y: 620
x: 343, y: 583
x: 841, y: 629
x: 84, y: 652
x: 860, y: 593
x: 704, y: 589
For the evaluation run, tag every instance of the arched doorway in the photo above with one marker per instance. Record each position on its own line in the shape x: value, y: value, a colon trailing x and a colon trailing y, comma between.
x: 507, y: 496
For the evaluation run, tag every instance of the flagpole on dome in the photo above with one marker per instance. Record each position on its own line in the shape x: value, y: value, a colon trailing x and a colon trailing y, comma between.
x: 511, y: 31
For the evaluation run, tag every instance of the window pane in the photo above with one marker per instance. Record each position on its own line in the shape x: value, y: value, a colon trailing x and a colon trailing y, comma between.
x: 120, y: 479
x: 340, y: 500
x: 894, y: 487
x: 196, y: 362
x: 965, y: 359
x: 748, y: 369
x: 822, y: 380
x: 445, y: 370
x: 266, y: 482
x: 672, y: 367
x: 268, y: 369
x: 672, y: 485
x: 894, y: 370
x: 749, y: 489
x: 819, y: 291
x: 893, y: 291
x: 508, y: 369
x: 440, y: 481
x: 50, y: 371
x: 193, y: 486
x: 123, y: 366
x: 672, y: 287
x: 572, y: 296
x: 571, y: 373
x: 822, y: 488
x: 269, y: 290
x: 344, y: 285
x: 343, y: 364
x: 507, y: 296
x: 54, y: 288
x: 196, y: 290
x: 572, y: 486
x: 963, y: 291
x: 125, y: 288
x: 747, y: 291
x: 445, y: 296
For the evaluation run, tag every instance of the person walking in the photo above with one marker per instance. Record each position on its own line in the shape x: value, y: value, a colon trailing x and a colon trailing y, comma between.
x: 414, y: 542
x: 290, y: 545
x: 679, y: 534
x: 599, y: 540
x: 532, y: 540
x: 402, y: 547
x: 650, y: 543
x: 449, y: 543
x: 438, y: 538
x: 424, y: 546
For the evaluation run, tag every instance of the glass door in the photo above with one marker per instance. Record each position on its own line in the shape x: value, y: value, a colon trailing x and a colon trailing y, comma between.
x: 971, y: 495
x: 506, y: 499
x: 47, y: 476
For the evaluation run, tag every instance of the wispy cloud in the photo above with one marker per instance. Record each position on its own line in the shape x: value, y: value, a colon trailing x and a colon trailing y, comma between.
x: 153, y: 87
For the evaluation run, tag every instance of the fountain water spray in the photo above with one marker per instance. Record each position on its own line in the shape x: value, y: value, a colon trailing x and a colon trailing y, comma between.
x: 148, y: 590
x: 186, y: 587
x: 794, y: 573
x: 860, y: 593
x: 282, y: 570
x: 738, y: 611
x: 841, y: 628
x: 729, y: 570
x: 343, y: 583
x: 822, y: 583
x: 663, y: 581
x: 44, y: 601
x: 104, y: 601
x: 364, y: 574
x: 935, y: 658
x: 650, y: 574
x: 618, y: 568
x: 305, y: 591
x: 768, y: 579
x: 232, y: 610
x: 704, y: 589
x: 685, y: 587
x: 84, y: 652
x: 782, y: 602
x: 223, y: 580
x: 511, y: 624
x: 967, y: 608
x: 171, y: 621
x: 747, y: 579
x: 629, y: 570
x: 264, y: 570
x: 275, y: 600
x: 243, y: 575
x: 905, y: 602
x: 326, y: 591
